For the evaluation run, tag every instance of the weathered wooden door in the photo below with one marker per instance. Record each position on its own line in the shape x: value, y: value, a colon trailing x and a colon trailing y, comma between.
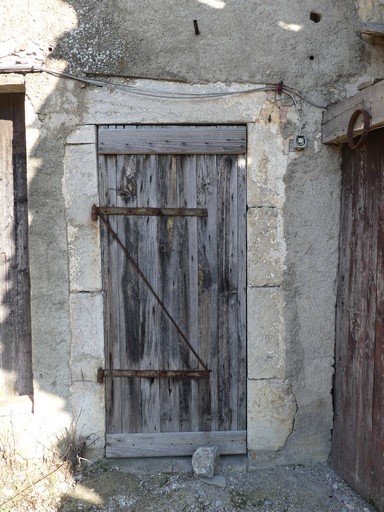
x: 182, y: 219
x: 358, y: 435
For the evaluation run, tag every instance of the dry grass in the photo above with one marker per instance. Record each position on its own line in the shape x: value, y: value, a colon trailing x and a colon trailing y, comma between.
x: 30, y: 485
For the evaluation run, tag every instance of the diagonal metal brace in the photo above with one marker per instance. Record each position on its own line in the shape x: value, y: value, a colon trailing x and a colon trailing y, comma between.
x: 115, y: 236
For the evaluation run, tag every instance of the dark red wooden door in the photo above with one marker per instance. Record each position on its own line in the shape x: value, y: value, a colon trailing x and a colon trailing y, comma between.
x: 358, y: 435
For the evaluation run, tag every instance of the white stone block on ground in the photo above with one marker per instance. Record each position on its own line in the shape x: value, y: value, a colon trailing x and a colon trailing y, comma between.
x: 205, y: 461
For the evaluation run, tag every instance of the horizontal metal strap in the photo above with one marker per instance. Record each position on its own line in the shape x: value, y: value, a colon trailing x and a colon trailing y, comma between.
x: 151, y: 212
x: 152, y: 374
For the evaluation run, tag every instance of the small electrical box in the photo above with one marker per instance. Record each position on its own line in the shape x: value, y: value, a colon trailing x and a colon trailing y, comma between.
x: 300, y: 141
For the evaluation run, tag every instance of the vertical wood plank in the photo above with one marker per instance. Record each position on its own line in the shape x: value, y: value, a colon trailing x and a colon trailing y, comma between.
x: 208, y: 289
x: 115, y: 296
x: 233, y: 300
x: 128, y: 293
x: 225, y: 287
x: 113, y: 356
x: 377, y: 467
x: 233, y: 292
x: 343, y: 306
x: 8, y: 297
x: 187, y: 300
x: 169, y: 268
x: 106, y: 280
x: 149, y: 310
x: 23, y: 322
x: 15, y: 315
x: 241, y: 339
x: 191, y: 263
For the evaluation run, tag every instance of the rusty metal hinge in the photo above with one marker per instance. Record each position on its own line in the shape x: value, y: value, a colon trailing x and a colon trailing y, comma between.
x: 148, y: 212
x: 152, y: 374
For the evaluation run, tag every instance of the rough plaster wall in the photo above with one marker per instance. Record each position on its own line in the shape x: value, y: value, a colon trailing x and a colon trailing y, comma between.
x: 311, y: 220
x: 238, y: 41
x: 293, y: 199
x: 51, y: 329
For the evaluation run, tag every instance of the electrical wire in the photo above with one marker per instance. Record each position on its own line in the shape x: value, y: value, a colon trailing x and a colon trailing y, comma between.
x: 298, y: 93
x: 290, y: 91
x: 296, y: 108
x: 154, y: 94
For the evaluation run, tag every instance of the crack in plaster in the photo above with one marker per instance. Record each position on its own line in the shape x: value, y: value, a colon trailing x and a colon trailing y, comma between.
x: 294, y: 417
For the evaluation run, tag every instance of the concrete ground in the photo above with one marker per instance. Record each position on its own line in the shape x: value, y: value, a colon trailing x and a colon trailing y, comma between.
x: 116, y: 487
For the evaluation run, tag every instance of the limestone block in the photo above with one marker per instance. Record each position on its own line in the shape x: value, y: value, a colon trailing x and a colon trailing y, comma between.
x: 12, y: 82
x: 205, y: 461
x: 89, y: 414
x: 267, y: 165
x: 80, y: 182
x: 86, y: 369
x: 86, y: 311
x: 266, y: 354
x: 84, y: 258
x: 110, y: 106
x: 266, y: 247
x: 85, y: 134
x: 271, y: 412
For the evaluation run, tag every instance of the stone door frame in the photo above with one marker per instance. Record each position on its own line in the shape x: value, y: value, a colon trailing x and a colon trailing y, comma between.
x: 271, y: 405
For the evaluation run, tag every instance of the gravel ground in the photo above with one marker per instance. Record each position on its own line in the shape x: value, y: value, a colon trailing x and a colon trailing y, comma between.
x: 283, y: 489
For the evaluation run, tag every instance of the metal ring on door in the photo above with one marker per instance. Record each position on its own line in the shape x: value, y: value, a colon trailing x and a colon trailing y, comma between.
x: 366, y: 125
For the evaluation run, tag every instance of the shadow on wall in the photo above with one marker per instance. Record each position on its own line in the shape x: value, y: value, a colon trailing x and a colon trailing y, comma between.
x: 99, y: 45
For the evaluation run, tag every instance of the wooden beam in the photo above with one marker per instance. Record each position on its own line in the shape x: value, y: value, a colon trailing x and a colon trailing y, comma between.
x: 172, y: 140
x: 372, y: 33
x: 176, y: 443
x: 372, y: 29
x: 337, y: 115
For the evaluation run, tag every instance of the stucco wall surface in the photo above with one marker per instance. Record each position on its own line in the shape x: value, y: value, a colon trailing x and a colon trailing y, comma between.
x: 292, y: 196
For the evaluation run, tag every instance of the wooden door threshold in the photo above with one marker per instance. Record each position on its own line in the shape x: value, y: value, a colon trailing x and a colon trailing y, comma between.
x: 174, y: 444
